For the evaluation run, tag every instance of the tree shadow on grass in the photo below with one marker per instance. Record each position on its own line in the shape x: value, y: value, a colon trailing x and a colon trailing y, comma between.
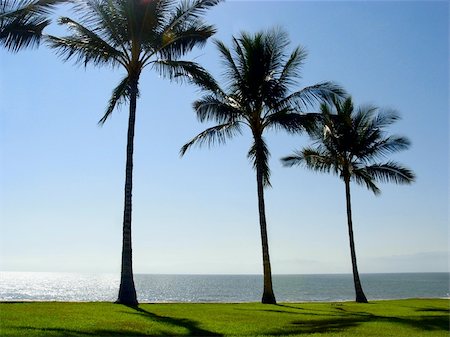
x: 445, y: 311
x: 334, y: 321
x: 341, y: 319
x: 190, y: 325
x: 62, y: 332
x: 325, y: 325
x: 287, y: 312
x: 340, y: 324
x: 424, y: 323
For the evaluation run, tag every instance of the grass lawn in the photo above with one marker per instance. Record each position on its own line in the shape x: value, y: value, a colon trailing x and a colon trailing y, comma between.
x: 409, y: 318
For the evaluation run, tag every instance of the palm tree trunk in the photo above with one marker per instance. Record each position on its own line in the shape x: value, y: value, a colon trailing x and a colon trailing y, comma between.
x: 360, y: 297
x: 268, y: 295
x: 127, y: 291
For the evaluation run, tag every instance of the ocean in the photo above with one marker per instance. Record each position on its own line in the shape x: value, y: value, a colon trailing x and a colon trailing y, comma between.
x: 39, y: 286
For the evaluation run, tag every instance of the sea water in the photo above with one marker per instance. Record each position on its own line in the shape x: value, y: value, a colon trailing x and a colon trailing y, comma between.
x: 38, y: 286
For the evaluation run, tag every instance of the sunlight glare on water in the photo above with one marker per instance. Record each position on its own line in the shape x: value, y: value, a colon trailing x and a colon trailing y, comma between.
x: 35, y: 286
x: 30, y: 286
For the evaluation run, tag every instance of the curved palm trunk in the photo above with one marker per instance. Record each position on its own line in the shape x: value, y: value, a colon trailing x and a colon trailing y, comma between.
x: 268, y: 295
x: 127, y: 291
x: 360, y: 297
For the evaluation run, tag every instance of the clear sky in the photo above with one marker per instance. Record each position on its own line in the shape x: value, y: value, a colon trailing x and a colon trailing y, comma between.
x: 62, y: 176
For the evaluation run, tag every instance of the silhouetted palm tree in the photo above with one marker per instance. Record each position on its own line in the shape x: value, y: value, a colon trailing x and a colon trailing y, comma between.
x: 259, y: 76
x: 22, y: 22
x: 348, y: 143
x: 134, y: 35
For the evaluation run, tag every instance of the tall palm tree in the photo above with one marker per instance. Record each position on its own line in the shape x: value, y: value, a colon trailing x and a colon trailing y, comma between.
x: 259, y: 75
x: 22, y: 22
x: 134, y: 34
x: 348, y: 143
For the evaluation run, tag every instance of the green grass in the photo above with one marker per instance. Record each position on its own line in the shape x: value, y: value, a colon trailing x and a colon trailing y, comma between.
x: 409, y: 318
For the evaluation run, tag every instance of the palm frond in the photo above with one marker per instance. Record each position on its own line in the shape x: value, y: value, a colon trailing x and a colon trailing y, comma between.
x: 84, y: 45
x: 193, y: 73
x: 179, y: 41
x: 15, y: 8
x: 292, y: 122
x: 22, y: 22
x: 119, y: 96
x: 232, y: 73
x: 213, y: 136
x: 186, y: 71
x: 306, y: 98
x: 187, y: 10
x: 110, y: 21
x: 181, y: 29
x: 362, y: 177
x: 385, y: 117
x: 296, y: 159
x: 316, y: 159
x: 391, y: 172
x: 382, y: 148
x: 362, y: 117
x: 291, y: 70
x: 213, y: 108
x: 275, y: 42
x: 22, y: 33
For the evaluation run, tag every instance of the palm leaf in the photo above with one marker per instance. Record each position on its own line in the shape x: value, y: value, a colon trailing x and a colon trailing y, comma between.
x: 291, y: 70
x: 316, y: 159
x: 22, y: 33
x: 22, y: 22
x: 385, y: 118
x: 190, y: 72
x: 187, y: 11
x: 362, y: 177
x: 181, y: 40
x: 292, y: 122
x: 296, y: 159
x: 185, y: 71
x: 391, y: 172
x: 306, y: 98
x: 382, y: 148
x: 119, y: 96
x: 84, y: 45
x: 232, y: 73
x: 212, y: 108
x: 14, y: 8
x: 212, y: 136
x: 109, y: 24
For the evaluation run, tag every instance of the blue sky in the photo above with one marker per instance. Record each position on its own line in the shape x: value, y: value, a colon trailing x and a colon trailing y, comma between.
x: 62, y: 176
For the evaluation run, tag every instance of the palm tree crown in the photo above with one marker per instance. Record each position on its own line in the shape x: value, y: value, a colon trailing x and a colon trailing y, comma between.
x: 22, y: 22
x: 259, y: 76
x: 134, y: 34
x: 349, y: 143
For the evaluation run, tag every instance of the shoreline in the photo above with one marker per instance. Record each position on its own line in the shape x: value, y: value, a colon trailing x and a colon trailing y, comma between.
x: 243, y: 302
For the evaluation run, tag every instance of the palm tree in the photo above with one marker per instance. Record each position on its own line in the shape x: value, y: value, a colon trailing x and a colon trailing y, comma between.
x: 134, y: 35
x: 349, y: 143
x: 259, y: 75
x: 22, y: 22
